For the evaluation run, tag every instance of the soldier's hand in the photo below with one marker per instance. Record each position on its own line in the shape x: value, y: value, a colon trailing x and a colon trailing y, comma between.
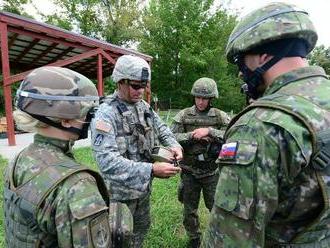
x: 177, y: 152
x: 164, y: 170
x: 200, y: 133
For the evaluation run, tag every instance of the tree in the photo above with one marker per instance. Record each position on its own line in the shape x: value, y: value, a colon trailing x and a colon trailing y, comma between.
x: 15, y: 6
x: 116, y: 21
x: 187, y: 39
x: 321, y: 57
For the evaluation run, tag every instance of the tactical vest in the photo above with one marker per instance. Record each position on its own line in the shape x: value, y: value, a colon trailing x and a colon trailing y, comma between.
x: 197, y: 153
x: 320, y: 160
x: 138, y: 130
x: 21, y: 204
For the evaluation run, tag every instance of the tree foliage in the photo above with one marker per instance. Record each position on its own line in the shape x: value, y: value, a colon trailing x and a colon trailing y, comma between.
x: 321, y: 57
x: 15, y: 6
x: 116, y: 21
x: 187, y: 39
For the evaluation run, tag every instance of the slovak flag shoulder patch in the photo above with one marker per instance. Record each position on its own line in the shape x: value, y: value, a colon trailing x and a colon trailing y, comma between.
x: 228, y: 151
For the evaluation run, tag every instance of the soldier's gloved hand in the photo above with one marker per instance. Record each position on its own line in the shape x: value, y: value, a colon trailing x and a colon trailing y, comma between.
x: 177, y: 153
x: 164, y: 170
x: 200, y: 133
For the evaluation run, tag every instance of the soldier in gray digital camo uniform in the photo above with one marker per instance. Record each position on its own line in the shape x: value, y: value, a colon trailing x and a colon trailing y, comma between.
x: 274, y: 184
x: 124, y: 131
x: 199, y: 130
x: 50, y: 200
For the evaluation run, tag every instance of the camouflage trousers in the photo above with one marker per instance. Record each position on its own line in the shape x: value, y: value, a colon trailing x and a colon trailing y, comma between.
x: 191, y: 188
x: 140, y: 209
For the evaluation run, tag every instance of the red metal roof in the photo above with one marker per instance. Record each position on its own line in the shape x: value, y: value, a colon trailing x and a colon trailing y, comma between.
x: 27, y: 44
x: 33, y: 44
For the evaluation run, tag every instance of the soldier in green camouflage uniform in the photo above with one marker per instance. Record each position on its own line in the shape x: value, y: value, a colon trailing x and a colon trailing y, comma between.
x: 199, y: 129
x: 124, y: 132
x: 273, y: 188
x: 49, y: 199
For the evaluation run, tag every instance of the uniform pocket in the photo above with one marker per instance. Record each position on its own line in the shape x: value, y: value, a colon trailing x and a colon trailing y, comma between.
x: 235, y: 190
x: 86, y: 207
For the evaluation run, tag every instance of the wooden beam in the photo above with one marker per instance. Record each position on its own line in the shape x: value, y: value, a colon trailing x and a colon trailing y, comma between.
x: 60, y: 55
x: 6, y: 87
x: 30, y: 24
x: 48, y: 38
x: 12, y: 40
x: 27, y: 49
x: 64, y: 62
x: 41, y: 55
x: 99, y: 75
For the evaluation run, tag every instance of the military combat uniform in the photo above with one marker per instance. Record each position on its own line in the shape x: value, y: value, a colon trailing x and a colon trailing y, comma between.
x: 52, y: 201
x: 123, y: 135
x: 273, y: 188
x: 200, y: 171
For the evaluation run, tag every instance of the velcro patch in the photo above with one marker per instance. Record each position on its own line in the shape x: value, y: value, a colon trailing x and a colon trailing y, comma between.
x: 100, y: 231
x: 228, y: 151
x: 102, y: 126
x: 98, y: 139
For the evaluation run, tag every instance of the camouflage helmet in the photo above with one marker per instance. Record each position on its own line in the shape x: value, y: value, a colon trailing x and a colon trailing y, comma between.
x: 205, y: 87
x: 272, y: 22
x: 56, y: 92
x: 132, y: 68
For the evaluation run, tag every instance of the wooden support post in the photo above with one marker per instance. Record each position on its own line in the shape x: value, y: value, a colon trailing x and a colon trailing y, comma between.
x: 100, y: 75
x: 6, y: 86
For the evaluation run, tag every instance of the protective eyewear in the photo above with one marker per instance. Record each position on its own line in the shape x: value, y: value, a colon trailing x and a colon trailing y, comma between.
x: 137, y: 86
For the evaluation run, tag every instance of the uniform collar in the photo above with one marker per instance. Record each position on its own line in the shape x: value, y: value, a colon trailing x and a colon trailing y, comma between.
x: 64, y: 145
x: 295, y: 75
x: 194, y: 111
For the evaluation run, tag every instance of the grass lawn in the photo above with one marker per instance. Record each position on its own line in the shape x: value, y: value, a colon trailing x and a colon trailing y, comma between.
x: 166, y: 228
x: 166, y: 211
x: 3, y: 164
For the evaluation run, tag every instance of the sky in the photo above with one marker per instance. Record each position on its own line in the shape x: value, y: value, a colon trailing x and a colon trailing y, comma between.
x: 317, y: 9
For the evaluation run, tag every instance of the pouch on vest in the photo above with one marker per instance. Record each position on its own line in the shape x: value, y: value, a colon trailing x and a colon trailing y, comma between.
x: 121, y: 225
x: 235, y: 188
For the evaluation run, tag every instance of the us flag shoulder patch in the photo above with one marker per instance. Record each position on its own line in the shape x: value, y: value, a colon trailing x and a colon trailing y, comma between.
x: 102, y: 126
x: 228, y: 151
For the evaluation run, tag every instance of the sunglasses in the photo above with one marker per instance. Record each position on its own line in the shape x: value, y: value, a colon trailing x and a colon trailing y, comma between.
x: 137, y: 86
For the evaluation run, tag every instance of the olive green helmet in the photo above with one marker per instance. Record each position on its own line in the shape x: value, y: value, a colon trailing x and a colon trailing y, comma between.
x: 205, y: 87
x: 272, y: 22
x: 56, y: 92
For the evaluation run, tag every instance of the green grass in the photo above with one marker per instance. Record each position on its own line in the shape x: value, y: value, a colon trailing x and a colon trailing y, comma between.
x: 167, y: 115
x: 3, y: 164
x: 166, y: 212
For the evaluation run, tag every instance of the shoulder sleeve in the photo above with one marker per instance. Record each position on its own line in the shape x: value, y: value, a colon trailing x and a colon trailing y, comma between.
x: 178, y: 117
x: 223, y: 121
x: 177, y: 128
x: 79, y: 212
x: 249, y: 167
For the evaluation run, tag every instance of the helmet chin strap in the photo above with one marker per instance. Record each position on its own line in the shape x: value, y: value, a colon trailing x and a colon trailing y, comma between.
x: 82, y: 133
x: 254, y: 78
